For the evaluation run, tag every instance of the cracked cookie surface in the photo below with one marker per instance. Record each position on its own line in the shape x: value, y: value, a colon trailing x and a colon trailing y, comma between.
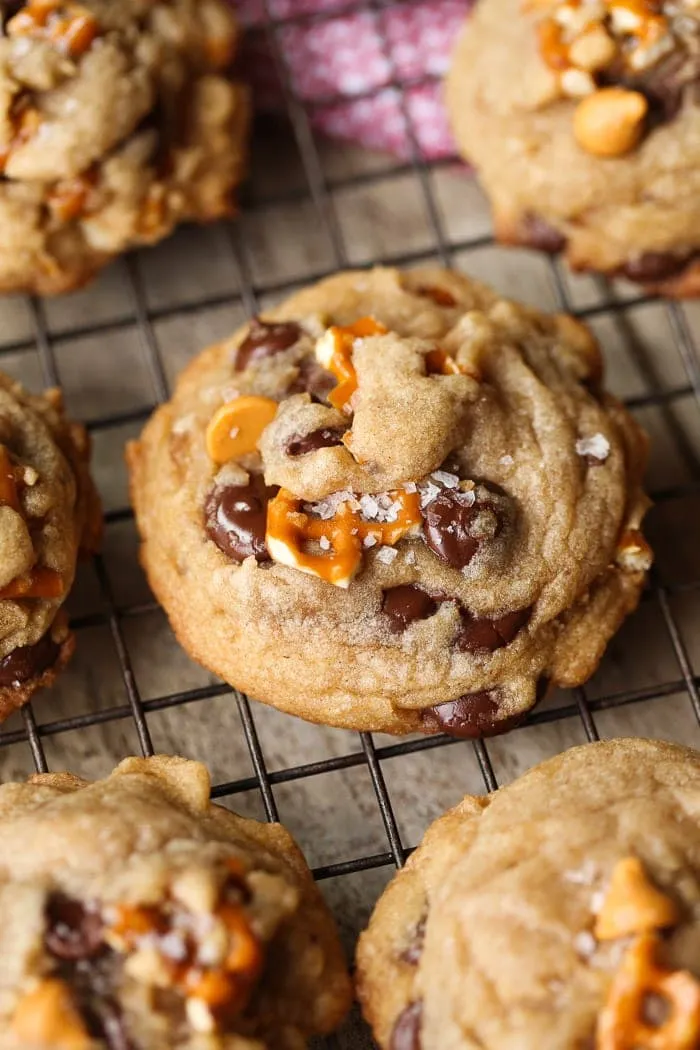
x: 118, y: 120
x: 49, y: 514
x: 518, y: 919
x: 398, y: 503
x: 594, y: 149
x: 139, y: 916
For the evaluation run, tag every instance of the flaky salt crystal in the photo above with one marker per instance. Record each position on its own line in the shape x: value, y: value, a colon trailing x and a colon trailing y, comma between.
x: 597, y: 446
x: 386, y: 555
x: 450, y: 481
x: 369, y: 541
x: 324, y: 543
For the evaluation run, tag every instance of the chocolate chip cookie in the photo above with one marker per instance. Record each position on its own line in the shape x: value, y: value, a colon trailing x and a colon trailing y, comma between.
x: 398, y: 502
x: 593, y: 149
x: 118, y: 120
x: 49, y: 513
x: 559, y: 913
x: 138, y: 916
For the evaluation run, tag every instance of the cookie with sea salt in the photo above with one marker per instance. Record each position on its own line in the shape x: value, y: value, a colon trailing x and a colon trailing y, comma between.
x: 559, y: 913
x: 398, y: 502
x: 49, y: 515
x: 119, y: 119
x: 136, y: 915
x: 593, y: 148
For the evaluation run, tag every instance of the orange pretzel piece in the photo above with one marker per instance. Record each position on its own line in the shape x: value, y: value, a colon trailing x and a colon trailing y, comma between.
x: 633, y: 904
x: 39, y: 583
x: 621, y: 1023
x: 290, y: 530
x: 69, y: 26
x: 334, y: 351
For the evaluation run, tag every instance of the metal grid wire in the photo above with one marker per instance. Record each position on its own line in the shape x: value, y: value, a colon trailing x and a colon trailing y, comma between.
x: 367, y: 753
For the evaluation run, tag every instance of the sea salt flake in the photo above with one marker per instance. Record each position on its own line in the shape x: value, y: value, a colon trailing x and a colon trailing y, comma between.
x: 369, y: 507
x: 410, y: 557
x: 585, y: 944
x: 583, y: 876
x: 173, y: 946
x: 449, y: 481
x: 506, y: 461
x: 428, y: 492
x: 234, y: 432
x: 324, y: 543
x: 183, y: 424
x: 597, y: 446
x: 467, y: 499
x: 369, y: 541
x: 386, y: 555
x: 410, y: 486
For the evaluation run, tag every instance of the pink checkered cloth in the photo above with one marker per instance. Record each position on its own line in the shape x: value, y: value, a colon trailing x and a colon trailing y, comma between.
x: 346, y: 67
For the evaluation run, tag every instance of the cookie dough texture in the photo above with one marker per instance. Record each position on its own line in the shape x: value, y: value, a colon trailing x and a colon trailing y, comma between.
x: 543, y: 579
x: 118, y: 120
x: 146, y: 842
x: 49, y: 514
x: 503, y: 893
x: 635, y: 215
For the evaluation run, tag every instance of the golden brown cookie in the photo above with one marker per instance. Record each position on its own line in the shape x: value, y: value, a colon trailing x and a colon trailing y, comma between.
x: 593, y: 149
x: 118, y: 120
x: 398, y: 503
x: 49, y: 514
x: 139, y: 916
x: 559, y: 913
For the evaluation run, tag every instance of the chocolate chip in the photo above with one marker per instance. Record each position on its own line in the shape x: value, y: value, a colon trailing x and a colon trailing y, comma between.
x: 236, y: 518
x: 650, y: 267
x: 314, y: 379
x: 405, y: 1034
x: 265, y: 340
x: 488, y: 635
x: 324, y: 437
x: 412, y: 954
x: 405, y: 604
x: 469, y: 716
x: 28, y: 661
x: 73, y: 931
x: 455, y: 528
x: 537, y: 233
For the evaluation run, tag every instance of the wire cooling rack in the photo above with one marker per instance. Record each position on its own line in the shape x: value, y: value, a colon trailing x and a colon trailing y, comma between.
x: 670, y: 395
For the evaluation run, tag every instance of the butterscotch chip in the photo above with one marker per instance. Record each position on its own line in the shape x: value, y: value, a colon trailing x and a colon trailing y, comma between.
x: 49, y: 514
x: 502, y: 898
x: 397, y: 502
x: 119, y: 119
x: 593, y: 148
x: 136, y: 914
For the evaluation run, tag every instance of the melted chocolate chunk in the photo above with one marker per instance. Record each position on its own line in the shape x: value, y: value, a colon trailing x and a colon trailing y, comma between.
x: 314, y: 379
x: 537, y: 233
x: 236, y: 518
x: 28, y: 661
x: 265, y: 340
x: 651, y: 267
x: 469, y: 716
x: 488, y: 635
x: 405, y: 604
x: 73, y: 931
x: 406, y: 1032
x: 414, y: 951
x: 450, y: 526
x: 324, y: 437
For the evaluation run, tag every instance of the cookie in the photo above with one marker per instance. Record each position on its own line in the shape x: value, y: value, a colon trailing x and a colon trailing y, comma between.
x: 594, y: 148
x: 560, y: 912
x: 49, y: 514
x: 397, y: 503
x: 139, y: 916
x: 118, y: 120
